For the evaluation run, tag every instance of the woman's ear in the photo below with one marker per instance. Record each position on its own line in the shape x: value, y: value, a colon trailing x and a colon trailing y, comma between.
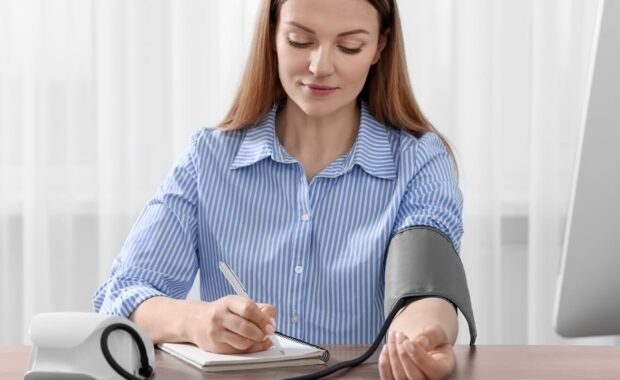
x: 383, y: 38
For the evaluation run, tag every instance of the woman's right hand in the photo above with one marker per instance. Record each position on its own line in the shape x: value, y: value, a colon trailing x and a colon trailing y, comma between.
x: 230, y: 325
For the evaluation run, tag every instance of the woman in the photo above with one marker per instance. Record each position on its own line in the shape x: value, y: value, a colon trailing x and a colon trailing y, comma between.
x: 323, y: 157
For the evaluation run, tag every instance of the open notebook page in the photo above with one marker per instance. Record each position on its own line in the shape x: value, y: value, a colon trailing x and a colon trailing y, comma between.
x: 292, y: 350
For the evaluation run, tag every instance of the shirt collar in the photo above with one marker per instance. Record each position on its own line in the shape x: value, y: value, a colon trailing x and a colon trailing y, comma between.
x: 371, y: 150
x: 259, y: 142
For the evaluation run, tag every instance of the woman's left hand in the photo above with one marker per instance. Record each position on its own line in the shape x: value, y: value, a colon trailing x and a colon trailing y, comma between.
x: 429, y: 355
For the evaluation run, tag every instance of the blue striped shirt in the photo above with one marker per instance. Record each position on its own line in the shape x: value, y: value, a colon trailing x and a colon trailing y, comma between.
x: 314, y: 250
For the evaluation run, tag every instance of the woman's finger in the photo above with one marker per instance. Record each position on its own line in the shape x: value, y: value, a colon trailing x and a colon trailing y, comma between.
x: 236, y: 341
x: 249, y: 310
x: 409, y: 366
x: 397, y: 369
x: 243, y: 328
x: 436, y: 367
x: 268, y: 309
x: 221, y: 348
x: 385, y: 368
x: 258, y: 347
x: 432, y: 336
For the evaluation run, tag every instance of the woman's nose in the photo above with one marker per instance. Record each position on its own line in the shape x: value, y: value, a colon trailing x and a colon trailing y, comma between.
x: 321, y: 62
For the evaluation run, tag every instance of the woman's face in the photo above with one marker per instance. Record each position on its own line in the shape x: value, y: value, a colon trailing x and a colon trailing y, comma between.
x: 325, y: 49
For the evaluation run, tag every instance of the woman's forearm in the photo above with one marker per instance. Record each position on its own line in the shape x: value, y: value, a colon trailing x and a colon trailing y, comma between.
x: 163, y: 319
x: 432, y: 310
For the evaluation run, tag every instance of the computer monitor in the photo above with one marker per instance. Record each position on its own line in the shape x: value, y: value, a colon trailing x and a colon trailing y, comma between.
x: 588, y: 293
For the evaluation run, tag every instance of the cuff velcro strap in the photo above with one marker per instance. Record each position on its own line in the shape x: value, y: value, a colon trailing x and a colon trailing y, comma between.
x: 420, y: 262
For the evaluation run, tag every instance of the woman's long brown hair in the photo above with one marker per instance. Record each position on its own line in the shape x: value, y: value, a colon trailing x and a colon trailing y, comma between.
x: 387, y: 90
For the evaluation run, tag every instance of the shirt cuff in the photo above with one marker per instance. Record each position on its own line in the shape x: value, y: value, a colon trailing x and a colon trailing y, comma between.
x: 122, y: 302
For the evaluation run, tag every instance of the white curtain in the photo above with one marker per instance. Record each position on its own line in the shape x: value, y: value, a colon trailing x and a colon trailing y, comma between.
x: 98, y: 97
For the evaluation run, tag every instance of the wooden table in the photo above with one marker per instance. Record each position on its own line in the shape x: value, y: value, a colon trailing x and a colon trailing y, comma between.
x: 480, y: 362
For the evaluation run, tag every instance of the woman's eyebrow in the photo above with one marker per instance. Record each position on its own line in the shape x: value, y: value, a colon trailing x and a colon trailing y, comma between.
x: 354, y: 31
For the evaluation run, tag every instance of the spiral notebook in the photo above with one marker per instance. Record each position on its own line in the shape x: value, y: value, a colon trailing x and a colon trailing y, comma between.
x: 296, y: 353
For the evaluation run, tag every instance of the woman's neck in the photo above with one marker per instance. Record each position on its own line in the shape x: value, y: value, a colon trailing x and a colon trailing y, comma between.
x: 318, y: 140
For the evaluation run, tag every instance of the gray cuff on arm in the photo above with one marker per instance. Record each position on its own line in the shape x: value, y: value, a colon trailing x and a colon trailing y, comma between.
x: 420, y: 262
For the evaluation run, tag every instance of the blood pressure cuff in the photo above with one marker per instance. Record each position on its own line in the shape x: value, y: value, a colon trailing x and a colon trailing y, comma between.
x: 421, y: 262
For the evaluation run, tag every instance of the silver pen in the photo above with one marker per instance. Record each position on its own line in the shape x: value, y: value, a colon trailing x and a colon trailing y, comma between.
x: 234, y: 281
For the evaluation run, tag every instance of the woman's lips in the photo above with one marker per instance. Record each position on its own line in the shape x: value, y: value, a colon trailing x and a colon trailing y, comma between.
x: 314, y: 89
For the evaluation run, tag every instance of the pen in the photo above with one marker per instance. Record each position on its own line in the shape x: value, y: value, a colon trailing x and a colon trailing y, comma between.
x: 234, y: 281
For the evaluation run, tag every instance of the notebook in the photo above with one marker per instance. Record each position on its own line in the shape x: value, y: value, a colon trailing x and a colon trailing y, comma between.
x: 296, y: 353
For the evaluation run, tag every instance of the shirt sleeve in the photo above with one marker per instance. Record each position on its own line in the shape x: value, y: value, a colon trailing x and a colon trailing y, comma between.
x: 432, y: 197
x: 159, y: 256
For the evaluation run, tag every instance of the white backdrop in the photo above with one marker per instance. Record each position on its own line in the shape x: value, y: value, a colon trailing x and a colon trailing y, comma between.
x: 97, y: 98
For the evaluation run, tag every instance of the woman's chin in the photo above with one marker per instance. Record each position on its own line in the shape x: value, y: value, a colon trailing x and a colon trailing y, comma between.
x: 318, y: 107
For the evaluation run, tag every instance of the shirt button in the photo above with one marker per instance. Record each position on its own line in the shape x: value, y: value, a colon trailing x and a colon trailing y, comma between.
x: 299, y: 269
x: 305, y: 217
x: 295, y: 318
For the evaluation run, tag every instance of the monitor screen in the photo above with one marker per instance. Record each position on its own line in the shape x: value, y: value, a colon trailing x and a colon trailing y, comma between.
x: 588, y: 293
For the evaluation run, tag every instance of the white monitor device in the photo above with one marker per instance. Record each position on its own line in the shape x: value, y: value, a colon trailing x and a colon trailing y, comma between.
x: 588, y: 293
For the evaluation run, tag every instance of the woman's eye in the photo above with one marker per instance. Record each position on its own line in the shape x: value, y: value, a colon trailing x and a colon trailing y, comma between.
x: 302, y: 45
x: 350, y: 51
x: 299, y: 44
